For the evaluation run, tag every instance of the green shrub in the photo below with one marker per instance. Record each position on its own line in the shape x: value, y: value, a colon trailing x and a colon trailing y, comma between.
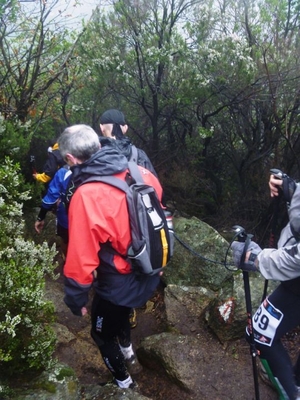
x: 15, y: 138
x: 26, y: 338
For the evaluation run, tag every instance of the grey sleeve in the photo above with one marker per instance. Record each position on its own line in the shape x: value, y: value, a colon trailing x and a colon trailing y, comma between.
x: 282, y: 264
x: 286, y: 237
x: 294, y: 213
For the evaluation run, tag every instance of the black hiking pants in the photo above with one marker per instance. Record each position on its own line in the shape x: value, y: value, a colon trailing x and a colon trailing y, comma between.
x: 111, y: 326
x: 277, y: 315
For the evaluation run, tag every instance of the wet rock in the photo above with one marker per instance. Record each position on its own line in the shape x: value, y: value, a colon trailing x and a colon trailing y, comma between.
x: 58, y: 383
x: 188, y: 269
x: 185, y: 306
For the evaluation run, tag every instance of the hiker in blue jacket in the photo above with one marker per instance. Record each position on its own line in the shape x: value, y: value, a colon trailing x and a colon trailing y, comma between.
x: 52, y: 201
x: 279, y: 313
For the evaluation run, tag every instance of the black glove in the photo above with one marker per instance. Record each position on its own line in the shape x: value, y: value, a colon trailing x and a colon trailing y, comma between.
x: 288, y: 188
x: 238, y: 248
x: 288, y: 184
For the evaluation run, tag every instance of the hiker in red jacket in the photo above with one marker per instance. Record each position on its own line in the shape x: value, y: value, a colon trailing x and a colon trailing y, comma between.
x: 98, y: 223
x: 114, y: 129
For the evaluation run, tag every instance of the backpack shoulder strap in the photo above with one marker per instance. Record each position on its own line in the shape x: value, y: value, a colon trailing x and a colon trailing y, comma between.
x: 110, y: 180
x: 134, y: 154
x: 118, y: 183
x: 135, y: 172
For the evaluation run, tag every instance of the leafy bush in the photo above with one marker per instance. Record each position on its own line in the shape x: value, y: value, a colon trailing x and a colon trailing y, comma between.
x: 15, y: 138
x: 26, y: 338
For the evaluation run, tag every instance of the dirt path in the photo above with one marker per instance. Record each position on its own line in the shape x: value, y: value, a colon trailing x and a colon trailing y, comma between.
x: 235, y: 379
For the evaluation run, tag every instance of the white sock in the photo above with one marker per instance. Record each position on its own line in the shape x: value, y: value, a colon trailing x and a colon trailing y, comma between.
x: 127, y: 351
x: 125, y: 384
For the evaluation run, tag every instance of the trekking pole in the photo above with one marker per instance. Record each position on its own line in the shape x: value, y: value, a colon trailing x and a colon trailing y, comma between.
x: 253, y: 350
x: 276, y: 201
x: 246, y: 238
x: 272, y: 245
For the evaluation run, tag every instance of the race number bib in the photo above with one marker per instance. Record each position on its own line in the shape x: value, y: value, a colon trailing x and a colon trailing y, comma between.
x: 265, y: 322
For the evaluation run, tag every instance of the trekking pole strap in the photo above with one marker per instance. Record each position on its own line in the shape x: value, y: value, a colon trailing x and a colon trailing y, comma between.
x: 186, y: 246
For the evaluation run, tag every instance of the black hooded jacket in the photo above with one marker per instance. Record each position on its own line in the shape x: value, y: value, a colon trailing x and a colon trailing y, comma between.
x: 124, y: 146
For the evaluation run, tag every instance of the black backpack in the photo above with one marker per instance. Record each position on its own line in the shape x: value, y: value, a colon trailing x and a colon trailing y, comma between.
x: 152, y: 233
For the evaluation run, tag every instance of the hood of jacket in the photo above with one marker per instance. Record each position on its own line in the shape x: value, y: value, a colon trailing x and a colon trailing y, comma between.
x: 106, y: 161
x: 122, y: 145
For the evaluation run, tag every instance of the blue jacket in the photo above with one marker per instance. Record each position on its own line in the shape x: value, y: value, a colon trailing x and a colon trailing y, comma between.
x: 56, y: 190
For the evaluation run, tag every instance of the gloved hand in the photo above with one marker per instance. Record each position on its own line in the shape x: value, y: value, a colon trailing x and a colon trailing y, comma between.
x: 238, y: 248
x: 288, y: 188
x: 288, y: 184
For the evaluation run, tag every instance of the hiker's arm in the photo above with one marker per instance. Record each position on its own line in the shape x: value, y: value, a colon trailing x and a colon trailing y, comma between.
x: 294, y: 213
x: 82, y: 256
x: 54, y: 191
x: 44, y: 178
x: 76, y: 296
x: 40, y: 221
x: 280, y: 264
x: 48, y: 202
